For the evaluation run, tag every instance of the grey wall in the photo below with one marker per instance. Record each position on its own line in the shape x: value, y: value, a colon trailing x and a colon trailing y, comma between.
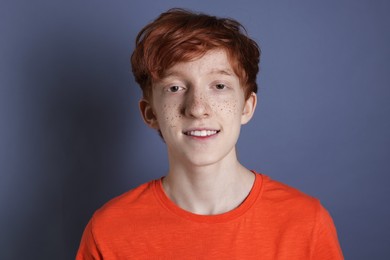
x: 71, y: 136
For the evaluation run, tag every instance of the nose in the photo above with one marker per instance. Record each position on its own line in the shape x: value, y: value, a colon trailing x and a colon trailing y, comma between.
x: 196, y: 105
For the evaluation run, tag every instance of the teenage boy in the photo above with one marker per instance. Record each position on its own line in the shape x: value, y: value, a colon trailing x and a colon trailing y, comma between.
x: 198, y: 77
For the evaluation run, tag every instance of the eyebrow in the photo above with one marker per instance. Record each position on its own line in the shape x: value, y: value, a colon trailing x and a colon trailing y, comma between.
x: 170, y: 73
x: 225, y: 71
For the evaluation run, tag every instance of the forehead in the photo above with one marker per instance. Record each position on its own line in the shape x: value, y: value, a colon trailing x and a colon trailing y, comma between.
x: 212, y: 62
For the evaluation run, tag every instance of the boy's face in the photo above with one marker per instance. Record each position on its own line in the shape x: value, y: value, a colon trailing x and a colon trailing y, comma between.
x: 199, y: 107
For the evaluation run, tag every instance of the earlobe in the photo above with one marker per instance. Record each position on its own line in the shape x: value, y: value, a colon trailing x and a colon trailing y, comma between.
x: 148, y: 114
x: 249, y: 108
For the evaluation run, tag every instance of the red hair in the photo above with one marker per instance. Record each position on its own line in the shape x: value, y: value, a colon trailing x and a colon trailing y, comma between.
x: 179, y: 35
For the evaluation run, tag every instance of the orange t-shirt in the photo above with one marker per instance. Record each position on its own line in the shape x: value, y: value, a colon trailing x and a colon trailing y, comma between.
x: 274, y: 222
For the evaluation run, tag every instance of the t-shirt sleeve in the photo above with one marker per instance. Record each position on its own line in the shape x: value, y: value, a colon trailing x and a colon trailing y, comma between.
x: 325, y: 242
x: 88, y: 248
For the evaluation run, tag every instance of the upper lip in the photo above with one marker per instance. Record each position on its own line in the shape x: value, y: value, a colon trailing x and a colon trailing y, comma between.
x: 200, y: 128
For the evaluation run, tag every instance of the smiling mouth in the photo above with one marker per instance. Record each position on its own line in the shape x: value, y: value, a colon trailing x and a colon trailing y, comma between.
x: 202, y: 133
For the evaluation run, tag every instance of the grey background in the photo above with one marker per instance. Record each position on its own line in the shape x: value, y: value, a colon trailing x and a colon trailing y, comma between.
x: 71, y: 136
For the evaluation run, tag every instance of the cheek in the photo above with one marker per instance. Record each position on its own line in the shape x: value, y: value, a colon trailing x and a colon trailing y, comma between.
x: 228, y: 107
x: 170, y: 115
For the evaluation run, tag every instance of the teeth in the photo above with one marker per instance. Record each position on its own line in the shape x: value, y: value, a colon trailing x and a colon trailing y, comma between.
x: 202, y: 132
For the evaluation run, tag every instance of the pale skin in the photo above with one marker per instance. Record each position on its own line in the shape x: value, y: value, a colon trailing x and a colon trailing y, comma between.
x: 199, y: 107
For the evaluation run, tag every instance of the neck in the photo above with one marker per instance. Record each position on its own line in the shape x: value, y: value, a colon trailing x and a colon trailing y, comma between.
x: 208, y: 190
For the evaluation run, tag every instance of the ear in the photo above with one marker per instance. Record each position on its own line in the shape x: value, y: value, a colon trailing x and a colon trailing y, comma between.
x: 249, y: 108
x: 148, y: 114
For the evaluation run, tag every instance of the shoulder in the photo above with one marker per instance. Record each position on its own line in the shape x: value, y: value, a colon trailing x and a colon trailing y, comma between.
x: 299, y: 216
x: 286, y: 200
x: 276, y: 191
x: 117, y: 219
x: 288, y: 207
x: 133, y: 203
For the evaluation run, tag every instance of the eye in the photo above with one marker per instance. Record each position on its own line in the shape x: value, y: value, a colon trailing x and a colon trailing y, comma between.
x: 220, y: 86
x: 174, y: 88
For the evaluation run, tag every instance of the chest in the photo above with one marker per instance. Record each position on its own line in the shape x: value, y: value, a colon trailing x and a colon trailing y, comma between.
x: 251, y: 237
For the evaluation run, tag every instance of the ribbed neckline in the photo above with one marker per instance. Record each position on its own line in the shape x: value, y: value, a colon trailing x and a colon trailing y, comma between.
x: 253, y: 195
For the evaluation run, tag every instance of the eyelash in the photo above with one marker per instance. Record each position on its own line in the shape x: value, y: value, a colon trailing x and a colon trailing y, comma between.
x: 170, y: 88
x: 176, y: 88
x: 218, y: 86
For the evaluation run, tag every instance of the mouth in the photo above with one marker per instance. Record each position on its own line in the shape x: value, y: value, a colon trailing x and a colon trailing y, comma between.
x: 201, y: 133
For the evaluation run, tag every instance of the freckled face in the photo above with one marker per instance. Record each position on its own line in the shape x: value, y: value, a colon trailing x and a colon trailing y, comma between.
x: 199, y: 107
